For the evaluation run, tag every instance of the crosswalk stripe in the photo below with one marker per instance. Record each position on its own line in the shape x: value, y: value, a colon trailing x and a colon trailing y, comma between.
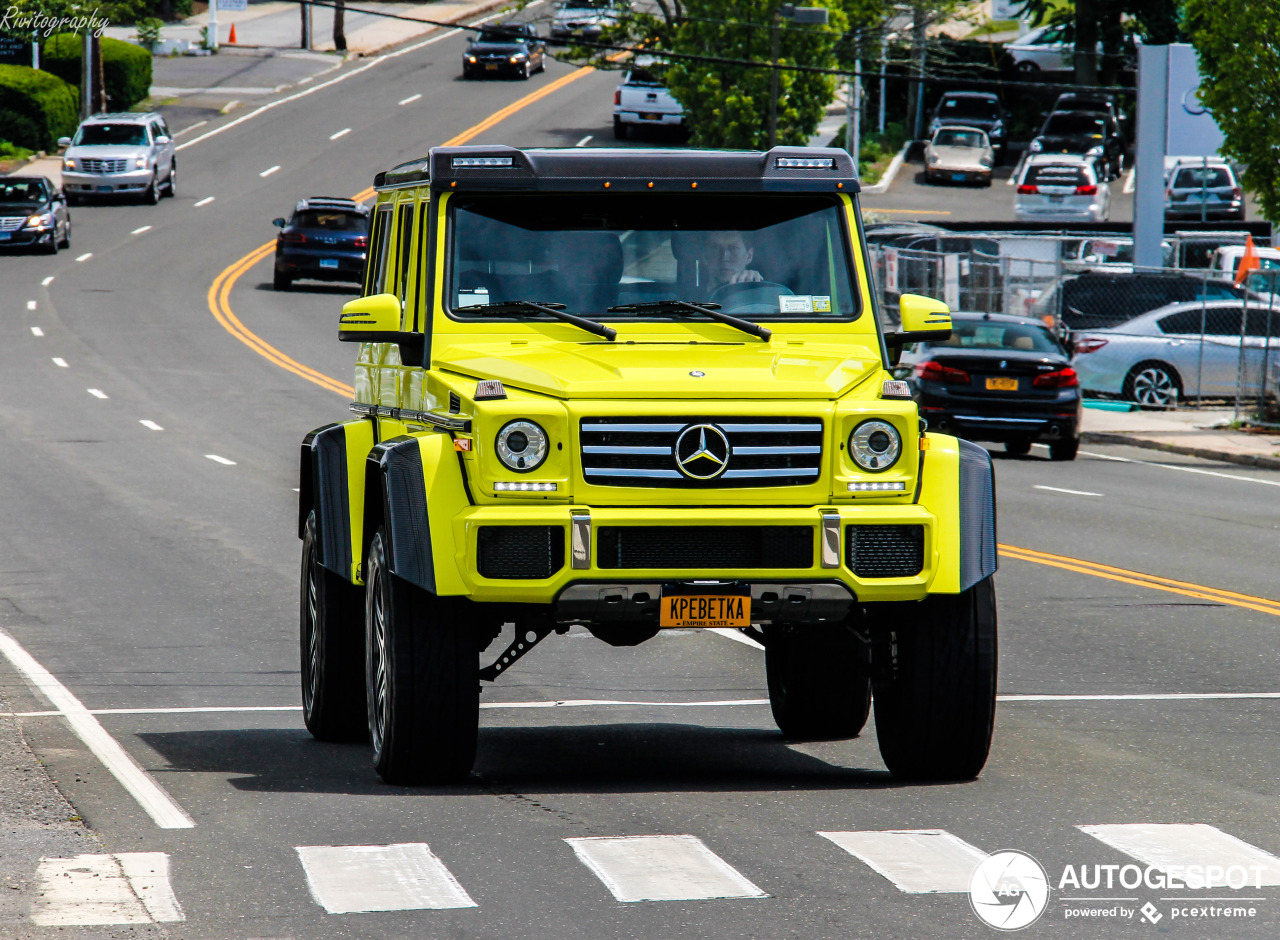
x: 661, y: 868
x: 917, y: 861
x: 1182, y: 845
x: 96, y: 890
x: 353, y: 879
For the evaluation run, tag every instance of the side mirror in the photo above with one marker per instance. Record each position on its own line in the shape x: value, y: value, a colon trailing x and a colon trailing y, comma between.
x: 162, y: 140
x: 376, y: 319
x: 923, y: 320
x: 278, y: 223
x: 64, y: 142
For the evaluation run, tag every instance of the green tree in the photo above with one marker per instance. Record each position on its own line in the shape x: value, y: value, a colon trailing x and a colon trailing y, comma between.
x: 1238, y: 42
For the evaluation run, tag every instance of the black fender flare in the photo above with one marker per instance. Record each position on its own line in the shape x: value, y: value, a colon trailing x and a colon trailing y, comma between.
x: 978, y: 556
x: 396, y: 499
x: 322, y: 488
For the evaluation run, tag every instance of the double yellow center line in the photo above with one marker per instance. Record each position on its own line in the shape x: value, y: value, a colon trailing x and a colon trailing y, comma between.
x: 1140, y: 579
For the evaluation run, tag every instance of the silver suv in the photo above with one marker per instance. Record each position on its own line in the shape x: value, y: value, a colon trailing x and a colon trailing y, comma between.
x: 120, y: 154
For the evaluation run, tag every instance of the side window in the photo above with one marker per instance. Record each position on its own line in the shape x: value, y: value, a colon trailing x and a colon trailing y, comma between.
x: 404, y: 234
x: 1182, y: 323
x: 156, y: 131
x: 423, y: 281
x: 376, y: 270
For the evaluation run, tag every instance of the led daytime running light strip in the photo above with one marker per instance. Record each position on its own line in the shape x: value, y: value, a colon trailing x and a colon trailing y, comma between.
x: 523, y: 487
x: 894, y: 486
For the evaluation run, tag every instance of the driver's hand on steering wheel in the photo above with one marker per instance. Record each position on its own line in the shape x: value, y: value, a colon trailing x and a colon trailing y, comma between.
x: 746, y: 276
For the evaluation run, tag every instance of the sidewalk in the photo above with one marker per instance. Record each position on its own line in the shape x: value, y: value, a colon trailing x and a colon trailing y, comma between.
x: 1206, y: 434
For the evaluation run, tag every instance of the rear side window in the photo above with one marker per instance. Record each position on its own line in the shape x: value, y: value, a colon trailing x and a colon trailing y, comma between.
x: 375, y: 273
x: 1056, y: 174
x: 330, y: 221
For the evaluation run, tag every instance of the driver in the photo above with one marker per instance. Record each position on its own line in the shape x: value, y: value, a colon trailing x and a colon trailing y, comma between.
x: 724, y: 259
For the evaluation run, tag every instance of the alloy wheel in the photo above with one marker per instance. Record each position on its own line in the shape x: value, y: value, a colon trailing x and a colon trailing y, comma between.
x: 1154, y: 386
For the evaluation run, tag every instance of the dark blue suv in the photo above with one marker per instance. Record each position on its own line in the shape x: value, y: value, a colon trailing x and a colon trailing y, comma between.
x: 326, y: 238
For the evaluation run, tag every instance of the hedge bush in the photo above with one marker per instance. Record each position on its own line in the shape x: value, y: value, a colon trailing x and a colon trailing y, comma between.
x: 126, y: 68
x: 36, y: 108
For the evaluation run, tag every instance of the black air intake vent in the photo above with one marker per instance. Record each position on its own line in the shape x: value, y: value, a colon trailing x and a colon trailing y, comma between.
x: 885, y: 551
x: 520, y: 552
x: 705, y: 549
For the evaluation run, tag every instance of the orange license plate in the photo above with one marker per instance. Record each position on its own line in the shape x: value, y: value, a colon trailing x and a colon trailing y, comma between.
x: 1001, y: 384
x: 705, y: 610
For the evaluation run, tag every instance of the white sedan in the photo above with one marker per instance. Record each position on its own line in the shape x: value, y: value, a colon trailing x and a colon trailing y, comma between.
x: 960, y: 155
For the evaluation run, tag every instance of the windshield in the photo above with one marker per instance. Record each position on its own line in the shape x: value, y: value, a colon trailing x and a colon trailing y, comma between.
x: 985, y: 334
x: 945, y: 138
x: 980, y: 108
x: 126, y: 135
x: 1066, y: 125
x: 763, y: 256
x: 21, y: 190
x: 499, y: 36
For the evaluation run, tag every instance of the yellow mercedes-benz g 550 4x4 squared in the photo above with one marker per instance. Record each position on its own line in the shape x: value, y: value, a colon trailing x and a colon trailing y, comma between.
x: 633, y: 390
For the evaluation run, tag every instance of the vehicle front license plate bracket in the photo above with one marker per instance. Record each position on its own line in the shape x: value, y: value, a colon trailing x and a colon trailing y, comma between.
x: 707, y: 604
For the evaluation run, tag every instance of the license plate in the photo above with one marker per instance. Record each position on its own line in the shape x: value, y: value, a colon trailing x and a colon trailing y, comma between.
x: 958, y: 177
x: 328, y: 262
x: 1057, y: 198
x: 712, y: 605
x: 104, y: 189
x: 1001, y: 384
x: 491, y: 68
x: 651, y: 117
x: 5, y: 236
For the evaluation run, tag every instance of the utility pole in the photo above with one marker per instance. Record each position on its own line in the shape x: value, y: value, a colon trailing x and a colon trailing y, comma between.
x: 803, y: 16
x: 853, y: 116
x: 211, y: 34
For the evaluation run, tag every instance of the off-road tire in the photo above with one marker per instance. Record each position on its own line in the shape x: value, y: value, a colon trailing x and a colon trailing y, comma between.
x: 330, y: 640
x: 935, y: 698
x: 422, y: 688
x: 1064, y: 449
x: 819, y: 680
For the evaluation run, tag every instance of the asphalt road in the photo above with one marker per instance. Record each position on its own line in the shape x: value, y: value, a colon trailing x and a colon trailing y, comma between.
x: 153, y: 567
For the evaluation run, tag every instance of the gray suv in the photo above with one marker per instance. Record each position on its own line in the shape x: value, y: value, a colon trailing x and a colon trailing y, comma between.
x: 120, y: 154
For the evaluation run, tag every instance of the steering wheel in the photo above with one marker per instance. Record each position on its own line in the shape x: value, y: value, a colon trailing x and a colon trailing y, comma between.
x: 750, y: 296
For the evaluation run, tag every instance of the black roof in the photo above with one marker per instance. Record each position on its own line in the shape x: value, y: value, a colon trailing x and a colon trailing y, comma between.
x: 581, y: 169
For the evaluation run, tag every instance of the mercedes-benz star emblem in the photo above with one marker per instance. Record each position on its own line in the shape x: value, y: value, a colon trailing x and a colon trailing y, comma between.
x: 702, y: 452
x: 697, y: 373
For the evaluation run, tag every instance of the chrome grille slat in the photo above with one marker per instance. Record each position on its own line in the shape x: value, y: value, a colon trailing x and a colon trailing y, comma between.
x: 13, y: 223
x: 103, y: 165
x: 642, y: 451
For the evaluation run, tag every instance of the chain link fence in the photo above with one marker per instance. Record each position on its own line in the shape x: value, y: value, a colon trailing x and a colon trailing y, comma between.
x: 1169, y: 337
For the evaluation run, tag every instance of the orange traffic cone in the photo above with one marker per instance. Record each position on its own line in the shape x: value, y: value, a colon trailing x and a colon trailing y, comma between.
x: 231, y: 40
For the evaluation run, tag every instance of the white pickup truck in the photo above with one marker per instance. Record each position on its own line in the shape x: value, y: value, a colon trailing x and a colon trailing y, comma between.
x: 642, y: 101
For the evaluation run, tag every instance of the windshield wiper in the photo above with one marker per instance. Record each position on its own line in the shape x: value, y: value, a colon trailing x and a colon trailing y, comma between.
x: 550, y: 309
x: 706, y: 309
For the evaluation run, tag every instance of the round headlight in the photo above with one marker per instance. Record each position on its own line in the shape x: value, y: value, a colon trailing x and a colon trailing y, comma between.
x: 522, y: 445
x: 875, y: 445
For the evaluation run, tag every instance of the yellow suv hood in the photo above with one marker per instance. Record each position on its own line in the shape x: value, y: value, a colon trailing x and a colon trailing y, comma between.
x: 778, y: 369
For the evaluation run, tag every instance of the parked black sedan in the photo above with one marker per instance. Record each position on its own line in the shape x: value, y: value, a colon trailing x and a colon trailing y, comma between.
x: 1091, y: 133
x: 998, y: 378
x: 33, y: 214
x: 513, y: 49
x: 326, y: 238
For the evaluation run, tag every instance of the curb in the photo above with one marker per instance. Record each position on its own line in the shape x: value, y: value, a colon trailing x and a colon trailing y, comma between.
x: 890, y: 173
x: 1246, y: 460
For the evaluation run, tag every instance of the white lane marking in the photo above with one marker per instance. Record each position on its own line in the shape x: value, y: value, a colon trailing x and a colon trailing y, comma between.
x: 411, y: 99
x: 730, y: 633
x: 342, y: 133
x: 343, y: 77
x: 1185, y: 844
x: 1140, y: 697
x: 96, y: 392
x: 95, y: 890
x: 148, y: 423
x: 1058, y: 489
x: 583, y: 142
x: 86, y: 256
x: 139, y: 231
x: 36, y: 331
x: 47, y: 281
x: 661, y: 868
x: 31, y: 305
x: 1130, y: 180
x: 205, y: 201
x: 917, y: 861
x: 160, y: 806
x: 350, y: 879
x: 222, y: 460
x: 190, y: 127
x: 60, y: 362
x: 1169, y: 466
x: 269, y: 170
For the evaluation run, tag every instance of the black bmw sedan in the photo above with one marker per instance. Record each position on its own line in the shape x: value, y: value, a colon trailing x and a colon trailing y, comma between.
x: 33, y: 214
x: 998, y: 378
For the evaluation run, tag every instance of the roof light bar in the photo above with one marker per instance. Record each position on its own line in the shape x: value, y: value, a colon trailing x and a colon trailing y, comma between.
x: 482, y: 161
x: 805, y: 163
x: 892, y: 486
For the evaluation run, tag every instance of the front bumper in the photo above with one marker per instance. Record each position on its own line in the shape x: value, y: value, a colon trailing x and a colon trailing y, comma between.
x: 649, y: 118
x: 26, y: 237
x: 960, y: 173
x: 105, y: 184
x: 1003, y: 419
x: 580, y: 533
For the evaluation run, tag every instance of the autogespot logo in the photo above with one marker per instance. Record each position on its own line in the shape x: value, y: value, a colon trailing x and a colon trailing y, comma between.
x: 1009, y: 890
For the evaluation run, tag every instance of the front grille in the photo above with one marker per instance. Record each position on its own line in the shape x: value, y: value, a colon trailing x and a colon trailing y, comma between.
x: 98, y: 165
x: 13, y: 223
x: 885, y: 551
x: 642, y: 451
x: 520, y: 552
x: 705, y: 548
